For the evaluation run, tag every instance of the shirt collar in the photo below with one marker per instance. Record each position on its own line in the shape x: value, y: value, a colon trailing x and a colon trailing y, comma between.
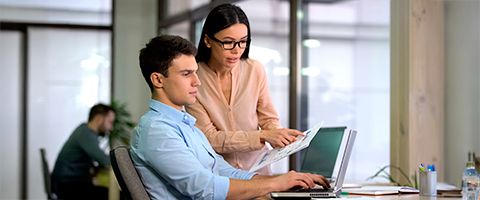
x: 173, y: 113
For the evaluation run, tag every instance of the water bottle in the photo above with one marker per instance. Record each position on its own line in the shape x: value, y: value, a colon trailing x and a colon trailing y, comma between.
x: 470, y: 181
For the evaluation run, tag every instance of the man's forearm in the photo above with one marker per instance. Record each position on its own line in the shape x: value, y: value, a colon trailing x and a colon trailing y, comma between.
x: 262, y: 185
x: 257, y: 177
x: 248, y: 189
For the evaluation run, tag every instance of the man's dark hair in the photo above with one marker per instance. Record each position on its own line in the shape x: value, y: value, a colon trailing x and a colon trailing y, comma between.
x: 158, y: 54
x: 221, y: 17
x: 99, y: 109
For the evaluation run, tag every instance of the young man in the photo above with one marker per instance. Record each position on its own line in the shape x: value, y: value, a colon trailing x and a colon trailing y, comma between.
x: 71, y: 176
x: 173, y: 157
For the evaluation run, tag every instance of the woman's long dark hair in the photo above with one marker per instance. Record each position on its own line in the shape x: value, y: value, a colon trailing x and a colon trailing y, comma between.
x: 221, y: 17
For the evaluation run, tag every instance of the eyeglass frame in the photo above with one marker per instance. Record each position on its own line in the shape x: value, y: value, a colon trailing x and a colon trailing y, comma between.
x: 235, y: 43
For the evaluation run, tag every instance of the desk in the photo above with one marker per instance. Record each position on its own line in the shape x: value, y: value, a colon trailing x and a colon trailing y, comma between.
x: 106, y: 178
x: 384, y: 197
x: 396, y: 197
x: 445, y: 191
x: 102, y: 177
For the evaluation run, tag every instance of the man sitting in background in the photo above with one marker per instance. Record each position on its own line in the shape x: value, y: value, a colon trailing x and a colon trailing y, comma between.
x: 72, y: 176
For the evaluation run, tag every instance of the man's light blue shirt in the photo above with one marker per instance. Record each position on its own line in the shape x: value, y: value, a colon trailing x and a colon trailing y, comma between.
x: 175, y: 159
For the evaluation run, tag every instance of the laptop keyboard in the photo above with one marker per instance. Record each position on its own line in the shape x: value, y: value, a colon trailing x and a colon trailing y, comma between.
x: 311, y: 190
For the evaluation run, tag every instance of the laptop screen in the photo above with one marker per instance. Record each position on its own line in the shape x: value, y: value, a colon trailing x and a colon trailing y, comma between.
x: 322, y: 153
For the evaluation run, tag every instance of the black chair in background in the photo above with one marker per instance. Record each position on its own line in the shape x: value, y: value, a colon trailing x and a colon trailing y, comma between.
x: 47, y: 181
x: 126, y: 174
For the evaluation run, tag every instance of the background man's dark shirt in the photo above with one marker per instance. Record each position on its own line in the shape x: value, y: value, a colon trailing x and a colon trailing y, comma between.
x: 77, y: 155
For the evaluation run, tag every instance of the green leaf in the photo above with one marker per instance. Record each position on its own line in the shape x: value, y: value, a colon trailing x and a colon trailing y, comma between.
x: 383, y: 173
x: 122, y: 125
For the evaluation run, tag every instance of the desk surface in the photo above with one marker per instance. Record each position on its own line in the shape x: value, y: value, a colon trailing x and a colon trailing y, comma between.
x: 384, y: 197
x: 396, y: 197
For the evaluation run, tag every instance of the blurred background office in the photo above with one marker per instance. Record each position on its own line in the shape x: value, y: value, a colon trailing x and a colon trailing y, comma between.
x: 58, y: 58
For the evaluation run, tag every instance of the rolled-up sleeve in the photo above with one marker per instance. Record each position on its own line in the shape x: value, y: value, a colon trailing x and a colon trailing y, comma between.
x: 226, y: 169
x: 220, y: 188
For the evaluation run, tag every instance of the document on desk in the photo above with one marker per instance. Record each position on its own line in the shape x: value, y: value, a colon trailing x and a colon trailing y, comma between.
x: 380, y: 190
x: 277, y: 154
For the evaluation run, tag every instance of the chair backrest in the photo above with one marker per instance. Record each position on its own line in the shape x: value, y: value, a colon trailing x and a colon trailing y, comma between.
x: 47, y: 182
x: 127, y: 176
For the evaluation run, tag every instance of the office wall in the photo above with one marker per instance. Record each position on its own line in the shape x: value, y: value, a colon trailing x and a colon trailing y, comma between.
x: 462, y: 65
x: 10, y: 117
x: 135, y: 23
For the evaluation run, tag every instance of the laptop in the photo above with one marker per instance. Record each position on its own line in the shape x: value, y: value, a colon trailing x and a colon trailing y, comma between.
x: 328, y: 154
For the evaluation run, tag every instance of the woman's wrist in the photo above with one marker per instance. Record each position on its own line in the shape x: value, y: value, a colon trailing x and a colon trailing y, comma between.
x: 262, y: 136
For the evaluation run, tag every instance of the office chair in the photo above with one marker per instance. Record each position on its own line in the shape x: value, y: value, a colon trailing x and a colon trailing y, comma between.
x: 127, y: 176
x: 47, y: 176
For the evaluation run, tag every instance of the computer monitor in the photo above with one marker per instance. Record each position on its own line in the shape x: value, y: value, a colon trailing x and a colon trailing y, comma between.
x: 323, y: 152
x: 328, y: 154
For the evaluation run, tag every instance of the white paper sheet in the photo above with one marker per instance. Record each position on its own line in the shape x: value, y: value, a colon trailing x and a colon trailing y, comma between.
x: 277, y: 154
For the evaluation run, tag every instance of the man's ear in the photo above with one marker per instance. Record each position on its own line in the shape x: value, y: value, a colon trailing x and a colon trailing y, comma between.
x: 157, y: 79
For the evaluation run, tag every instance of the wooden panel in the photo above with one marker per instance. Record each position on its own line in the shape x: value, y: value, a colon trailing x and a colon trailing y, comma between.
x: 426, y: 102
x: 399, y: 143
x: 417, y: 85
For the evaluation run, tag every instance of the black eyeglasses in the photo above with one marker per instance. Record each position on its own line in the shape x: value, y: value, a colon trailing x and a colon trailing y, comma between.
x: 229, y: 45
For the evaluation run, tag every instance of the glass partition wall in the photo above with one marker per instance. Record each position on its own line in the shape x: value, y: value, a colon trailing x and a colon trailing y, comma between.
x: 55, y: 64
x: 66, y: 77
x: 345, y: 72
x: 347, y: 76
x: 52, y: 84
x: 269, y: 28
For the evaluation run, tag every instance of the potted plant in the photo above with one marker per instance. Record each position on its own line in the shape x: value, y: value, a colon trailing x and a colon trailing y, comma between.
x: 383, y: 173
x: 122, y: 126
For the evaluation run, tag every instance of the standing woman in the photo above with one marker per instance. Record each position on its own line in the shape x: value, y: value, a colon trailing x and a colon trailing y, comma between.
x: 233, y: 106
